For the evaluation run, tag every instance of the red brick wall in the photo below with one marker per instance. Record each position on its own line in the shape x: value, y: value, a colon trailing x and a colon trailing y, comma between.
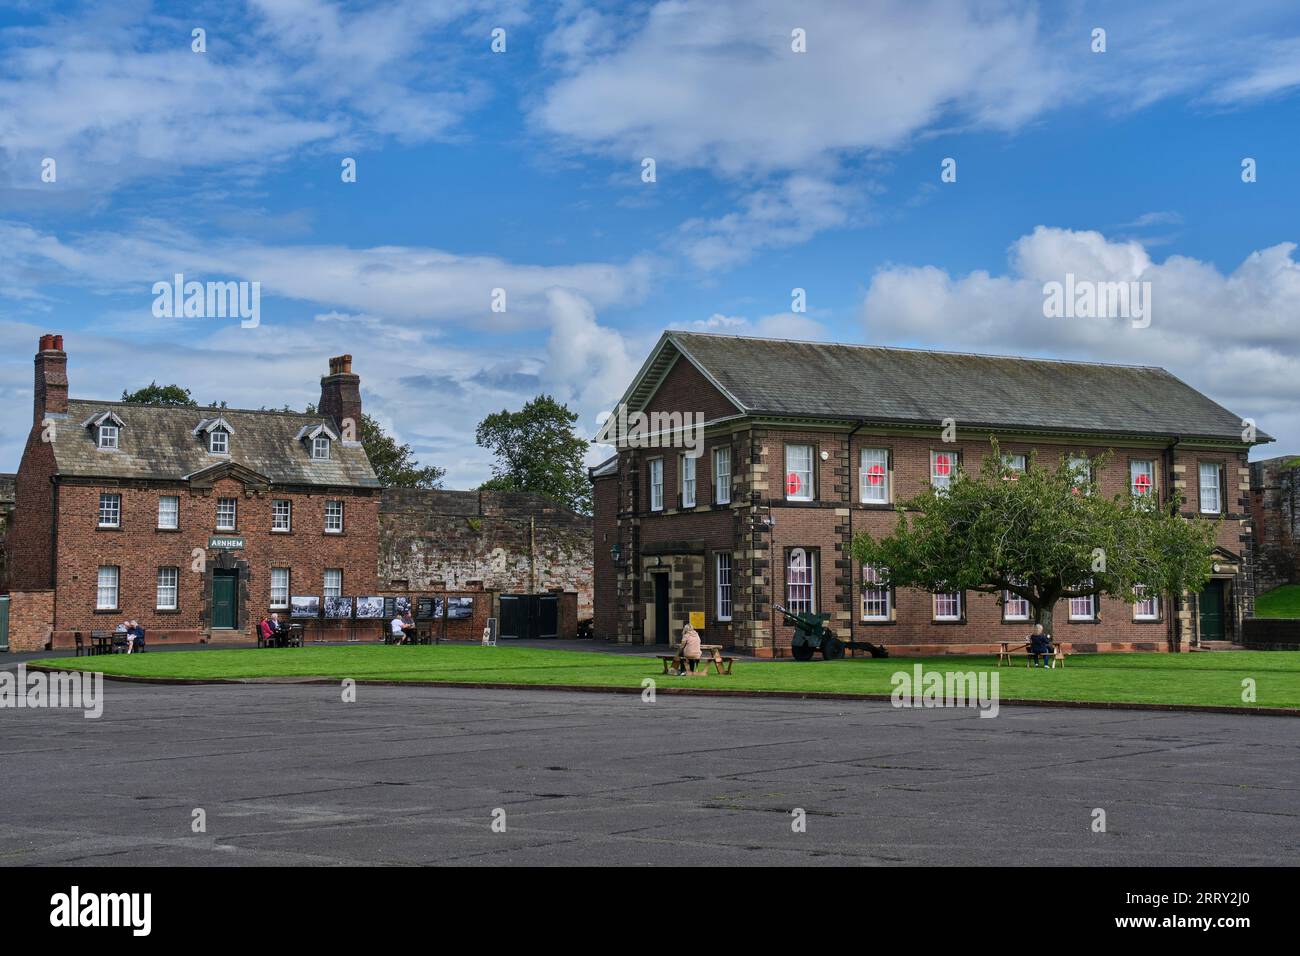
x: 31, y: 617
x: 30, y: 537
x: 605, y: 532
x: 139, y: 549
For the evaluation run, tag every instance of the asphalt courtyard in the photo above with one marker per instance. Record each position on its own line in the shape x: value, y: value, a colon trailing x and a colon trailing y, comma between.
x: 291, y: 774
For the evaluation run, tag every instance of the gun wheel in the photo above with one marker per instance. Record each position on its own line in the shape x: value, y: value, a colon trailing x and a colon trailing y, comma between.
x: 832, y: 649
x: 802, y: 652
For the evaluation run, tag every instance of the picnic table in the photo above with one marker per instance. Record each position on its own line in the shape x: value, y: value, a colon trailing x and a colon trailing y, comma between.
x: 1007, y: 648
x: 710, y: 654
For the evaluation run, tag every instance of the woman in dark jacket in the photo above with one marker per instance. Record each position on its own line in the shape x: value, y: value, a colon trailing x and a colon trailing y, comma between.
x: 1040, y: 646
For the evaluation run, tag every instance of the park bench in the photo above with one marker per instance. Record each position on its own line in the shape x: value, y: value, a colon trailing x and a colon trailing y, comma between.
x: 1007, y: 648
x: 710, y: 655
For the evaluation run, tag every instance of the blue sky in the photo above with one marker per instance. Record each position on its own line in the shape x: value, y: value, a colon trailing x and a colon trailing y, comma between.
x: 522, y: 170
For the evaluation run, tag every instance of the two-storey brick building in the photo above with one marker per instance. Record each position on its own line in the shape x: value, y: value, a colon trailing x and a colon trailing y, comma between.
x: 808, y: 444
x: 193, y: 521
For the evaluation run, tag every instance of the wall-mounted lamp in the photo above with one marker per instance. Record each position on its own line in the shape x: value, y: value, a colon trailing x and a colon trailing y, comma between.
x: 616, y: 552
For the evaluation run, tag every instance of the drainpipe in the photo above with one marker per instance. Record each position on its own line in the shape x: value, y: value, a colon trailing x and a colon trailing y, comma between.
x: 1169, y: 494
x: 852, y: 616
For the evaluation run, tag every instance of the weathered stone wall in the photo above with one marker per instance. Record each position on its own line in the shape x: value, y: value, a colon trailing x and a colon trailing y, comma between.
x: 7, y: 485
x: 1275, y: 508
x: 506, y: 542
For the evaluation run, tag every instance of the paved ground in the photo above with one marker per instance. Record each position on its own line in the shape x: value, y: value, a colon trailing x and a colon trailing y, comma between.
x: 292, y: 775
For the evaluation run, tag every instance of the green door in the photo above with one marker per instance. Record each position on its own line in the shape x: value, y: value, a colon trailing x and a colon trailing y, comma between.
x: 224, y: 601
x: 1212, y: 612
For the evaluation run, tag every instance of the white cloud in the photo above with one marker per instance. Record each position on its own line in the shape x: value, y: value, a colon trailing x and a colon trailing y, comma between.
x: 1230, y: 335
x: 778, y: 325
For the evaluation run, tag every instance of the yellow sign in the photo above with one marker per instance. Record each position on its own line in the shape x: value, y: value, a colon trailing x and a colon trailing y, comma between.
x: 697, y: 619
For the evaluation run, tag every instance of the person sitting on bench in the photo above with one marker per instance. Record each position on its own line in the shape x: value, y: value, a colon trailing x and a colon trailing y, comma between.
x: 1040, y: 646
x: 397, y: 630
x: 690, y: 650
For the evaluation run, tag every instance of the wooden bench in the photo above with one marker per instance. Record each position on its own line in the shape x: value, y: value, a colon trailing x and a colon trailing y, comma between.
x: 1007, y: 648
x: 710, y: 654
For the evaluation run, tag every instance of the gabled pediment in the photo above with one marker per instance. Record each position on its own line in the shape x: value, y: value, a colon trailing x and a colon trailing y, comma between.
x: 103, y: 418
x: 207, y: 477
x: 206, y: 425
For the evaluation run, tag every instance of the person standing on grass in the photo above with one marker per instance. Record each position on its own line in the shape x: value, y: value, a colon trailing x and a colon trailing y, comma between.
x: 690, y: 650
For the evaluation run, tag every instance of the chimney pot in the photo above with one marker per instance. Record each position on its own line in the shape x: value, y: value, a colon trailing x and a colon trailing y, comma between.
x: 58, y: 343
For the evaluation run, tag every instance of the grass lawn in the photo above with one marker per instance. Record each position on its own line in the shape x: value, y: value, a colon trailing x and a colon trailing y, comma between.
x: 1279, y: 602
x: 1210, y: 678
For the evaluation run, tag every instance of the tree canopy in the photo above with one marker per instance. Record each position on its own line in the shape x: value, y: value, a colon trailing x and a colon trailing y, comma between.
x: 1045, y: 534
x: 536, y: 449
x: 155, y: 394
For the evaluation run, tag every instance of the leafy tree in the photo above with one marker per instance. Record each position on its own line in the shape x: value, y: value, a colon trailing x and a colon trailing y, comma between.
x: 1046, y: 534
x: 155, y: 394
x: 537, y: 450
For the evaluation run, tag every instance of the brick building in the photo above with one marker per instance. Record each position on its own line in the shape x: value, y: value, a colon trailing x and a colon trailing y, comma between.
x: 194, y: 521
x: 808, y: 444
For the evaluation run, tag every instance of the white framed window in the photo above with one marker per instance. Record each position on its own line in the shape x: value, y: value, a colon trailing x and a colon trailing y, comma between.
x: 167, y: 581
x: 1142, y: 478
x: 656, y: 484
x: 110, y: 511
x: 722, y: 566
x: 108, y: 436
x: 943, y: 468
x: 1147, y: 607
x: 1081, y: 470
x: 1211, y: 503
x: 333, y: 517
x: 320, y: 448
x: 800, y: 594
x: 1083, y: 608
x: 279, y: 587
x: 873, y: 475
x: 875, y: 598
x: 947, y: 606
x: 722, y: 475
x: 226, y: 511
x: 281, y: 515
x: 169, y: 511
x: 799, y: 472
x: 333, y: 582
x: 688, y: 481
x: 1015, y: 464
x: 106, y: 588
x: 1014, y: 607
x: 219, y: 441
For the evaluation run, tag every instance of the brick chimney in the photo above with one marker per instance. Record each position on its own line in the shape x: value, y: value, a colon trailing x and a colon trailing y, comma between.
x: 51, y: 394
x: 340, y: 396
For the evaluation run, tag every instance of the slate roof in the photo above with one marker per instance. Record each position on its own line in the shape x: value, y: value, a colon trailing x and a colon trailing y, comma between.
x: 159, y: 442
x: 778, y: 377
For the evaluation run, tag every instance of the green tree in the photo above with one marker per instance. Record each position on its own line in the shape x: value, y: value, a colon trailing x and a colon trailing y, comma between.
x: 155, y: 394
x: 1046, y: 534
x: 537, y: 450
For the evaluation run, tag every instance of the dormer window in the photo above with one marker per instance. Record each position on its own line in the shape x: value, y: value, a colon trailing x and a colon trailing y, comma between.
x: 215, y: 433
x: 219, y: 442
x: 317, y: 439
x: 320, y: 448
x: 106, y: 428
x: 108, y: 436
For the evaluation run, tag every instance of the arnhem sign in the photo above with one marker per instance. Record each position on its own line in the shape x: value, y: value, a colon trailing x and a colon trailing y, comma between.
x: 226, y: 543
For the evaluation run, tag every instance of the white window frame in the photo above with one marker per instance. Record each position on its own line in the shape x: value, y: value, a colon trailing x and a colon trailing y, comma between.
x: 880, y: 597
x: 335, y: 589
x: 110, y: 510
x: 225, y: 441
x: 941, y: 482
x: 870, y: 458
x: 807, y: 488
x: 285, y: 513
x: 688, y: 481
x: 233, y: 504
x: 807, y: 575
x: 949, y: 599
x: 656, y: 484
x: 320, y: 448
x: 1015, y: 462
x: 107, y: 579
x: 1081, y: 468
x: 1092, y: 608
x: 722, y: 583
x: 1213, y: 469
x: 722, y: 475
x: 169, y: 580
x: 175, y: 512
x: 1144, y: 597
x: 108, y: 437
x: 1012, y: 599
x: 334, y: 516
x: 284, y: 602
x: 1135, y: 469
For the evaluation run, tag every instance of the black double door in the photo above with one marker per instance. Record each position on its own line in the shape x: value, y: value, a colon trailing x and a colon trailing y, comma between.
x: 530, y: 616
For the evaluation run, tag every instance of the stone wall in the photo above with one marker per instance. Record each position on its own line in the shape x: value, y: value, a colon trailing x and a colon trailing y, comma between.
x: 7, y: 483
x: 31, y: 619
x: 1275, y: 509
x: 502, y: 542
